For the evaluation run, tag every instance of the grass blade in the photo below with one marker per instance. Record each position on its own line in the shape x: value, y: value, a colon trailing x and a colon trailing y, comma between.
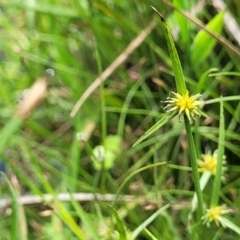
x: 218, y: 176
x: 177, y: 68
x: 183, y: 22
x: 8, y: 130
x: 154, y: 128
x: 120, y: 225
x: 85, y: 219
x: 137, y: 231
x: 14, y: 223
x: 64, y: 214
x: 203, y: 43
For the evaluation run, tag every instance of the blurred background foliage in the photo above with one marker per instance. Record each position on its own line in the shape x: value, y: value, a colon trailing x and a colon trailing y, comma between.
x: 53, y: 153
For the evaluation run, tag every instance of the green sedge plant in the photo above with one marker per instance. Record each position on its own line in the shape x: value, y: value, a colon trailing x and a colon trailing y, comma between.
x: 187, y: 108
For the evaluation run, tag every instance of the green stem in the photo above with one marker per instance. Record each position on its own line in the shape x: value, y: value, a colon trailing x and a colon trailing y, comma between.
x: 193, y: 159
x: 218, y: 176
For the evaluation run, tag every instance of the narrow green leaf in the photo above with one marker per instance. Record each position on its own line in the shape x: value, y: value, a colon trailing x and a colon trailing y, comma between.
x: 203, y: 113
x: 203, y: 80
x: 137, y: 231
x: 65, y: 215
x: 133, y: 174
x: 215, y: 100
x: 218, y: 176
x: 14, y: 222
x: 85, y: 219
x: 204, y: 43
x: 120, y: 225
x: 231, y: 225
x: 24, y: 178
x: 150, y: 234
x: 12, y: 125
x: 182, y: 21
x: 46, y: 8
x: 154, y: 128
x: 177, y: 68
x: 224, y: 74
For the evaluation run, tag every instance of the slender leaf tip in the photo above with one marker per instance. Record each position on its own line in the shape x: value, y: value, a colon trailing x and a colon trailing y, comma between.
x: 160, y: 15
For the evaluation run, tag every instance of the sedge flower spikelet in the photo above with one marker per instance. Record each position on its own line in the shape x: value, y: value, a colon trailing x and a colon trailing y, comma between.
x: 184, y: 104
x: 215, y: 214
x: 209, y: 163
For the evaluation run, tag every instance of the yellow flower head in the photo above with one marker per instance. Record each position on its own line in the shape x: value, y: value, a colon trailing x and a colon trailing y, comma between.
x: 215, y: 214
x: 183, y: 104
x: 209, y: 163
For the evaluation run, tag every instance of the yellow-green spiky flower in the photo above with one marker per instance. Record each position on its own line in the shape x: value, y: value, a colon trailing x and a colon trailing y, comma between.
x: 215, y: 214
x: 183, y: 104
x: 209, y: 163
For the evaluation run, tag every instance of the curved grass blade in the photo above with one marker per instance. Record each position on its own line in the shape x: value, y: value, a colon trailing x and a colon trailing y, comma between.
x: 155, y: 127
x: 138, y: 230
x: 85, y: 219
x: 120, y: 225
x: 203, y: 80
x: 183, y: 22
x: 215, y: 100
x: 150, y: 235
x: 15, y: 209
x: 231, y: 225
x: 64, y: 214
x: 177, y: 68
x: 133, y: 174
x: 8, y: 131
x: 223, y: 41
x: 204, y: 43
